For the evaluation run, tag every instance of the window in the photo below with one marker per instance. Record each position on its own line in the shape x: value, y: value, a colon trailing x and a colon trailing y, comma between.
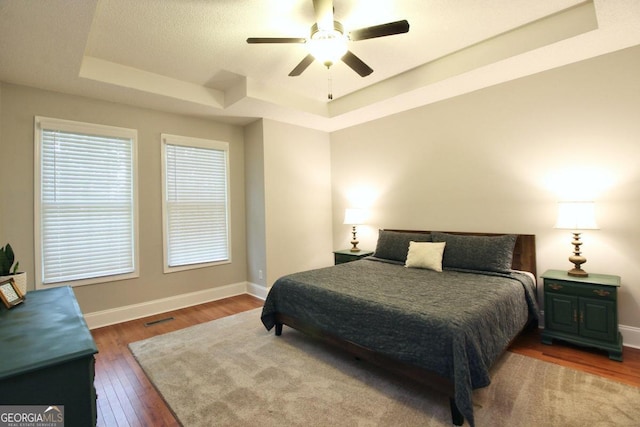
x: 195, y: 206
x: 86, y: 214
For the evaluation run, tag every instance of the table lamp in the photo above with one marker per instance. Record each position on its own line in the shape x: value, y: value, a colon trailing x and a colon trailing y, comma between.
x: 576, y: 216
x: 354, y: 217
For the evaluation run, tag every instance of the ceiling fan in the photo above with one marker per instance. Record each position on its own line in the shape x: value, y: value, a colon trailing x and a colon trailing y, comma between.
x: 328, y: 41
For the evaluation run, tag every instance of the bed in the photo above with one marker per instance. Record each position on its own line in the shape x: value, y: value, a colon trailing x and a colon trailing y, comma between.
x: 439, y: 307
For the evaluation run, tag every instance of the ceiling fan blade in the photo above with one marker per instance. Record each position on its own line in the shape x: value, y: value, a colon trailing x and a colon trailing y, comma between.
x: 356, y: 64
x: 324, y: 14
x: 302, y: 66
x: 252, y: 40
x: 382, y: 30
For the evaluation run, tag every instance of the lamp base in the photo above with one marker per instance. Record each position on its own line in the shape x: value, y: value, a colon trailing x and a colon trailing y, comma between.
x: 354, y: 240
x: 577, y: 259
x: 577, y: 272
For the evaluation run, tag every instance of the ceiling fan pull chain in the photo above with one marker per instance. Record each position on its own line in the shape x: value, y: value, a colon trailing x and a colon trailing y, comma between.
x: 330, y: 89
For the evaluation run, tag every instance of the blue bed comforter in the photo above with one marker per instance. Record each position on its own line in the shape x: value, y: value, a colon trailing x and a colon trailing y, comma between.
x: 454, y: 323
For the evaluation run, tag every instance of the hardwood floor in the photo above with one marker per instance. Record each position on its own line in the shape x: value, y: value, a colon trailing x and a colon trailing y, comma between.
x: 127, y: 398
x: 590, y: 360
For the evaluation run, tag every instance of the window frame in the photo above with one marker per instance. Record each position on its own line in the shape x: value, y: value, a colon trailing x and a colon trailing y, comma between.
x: 169, y: 139
x: 71, y: 126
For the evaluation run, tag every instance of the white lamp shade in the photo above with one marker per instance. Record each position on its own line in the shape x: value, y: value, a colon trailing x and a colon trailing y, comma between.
x: 354, y: 216
x: 576, y: 216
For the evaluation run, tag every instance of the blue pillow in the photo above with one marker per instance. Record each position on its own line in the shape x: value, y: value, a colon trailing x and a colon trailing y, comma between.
x: 394, y: 245
x: 483, y: 253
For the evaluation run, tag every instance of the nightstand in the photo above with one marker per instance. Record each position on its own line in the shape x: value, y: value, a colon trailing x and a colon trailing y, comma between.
x: 582, y: 310
x: 345, y: 255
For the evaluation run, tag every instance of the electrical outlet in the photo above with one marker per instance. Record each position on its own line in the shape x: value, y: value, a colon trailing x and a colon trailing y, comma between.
x: 260, y: 274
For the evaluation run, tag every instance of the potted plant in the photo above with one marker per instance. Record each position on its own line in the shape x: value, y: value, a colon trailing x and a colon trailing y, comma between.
x: 9, y: 270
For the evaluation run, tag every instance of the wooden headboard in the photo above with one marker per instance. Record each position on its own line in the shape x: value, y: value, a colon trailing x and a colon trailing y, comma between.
x: 524, y: 251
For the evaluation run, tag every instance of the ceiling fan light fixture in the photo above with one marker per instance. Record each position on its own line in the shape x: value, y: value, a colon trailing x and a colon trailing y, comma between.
x: 327, y: 46
x: 328, y: 42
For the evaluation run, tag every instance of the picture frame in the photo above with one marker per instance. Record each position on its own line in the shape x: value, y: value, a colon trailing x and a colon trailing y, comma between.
x: 10, y: 293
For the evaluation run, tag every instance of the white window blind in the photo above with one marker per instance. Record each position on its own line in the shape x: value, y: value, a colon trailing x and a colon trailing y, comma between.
x: 87, y: 202
x: 195, y: 202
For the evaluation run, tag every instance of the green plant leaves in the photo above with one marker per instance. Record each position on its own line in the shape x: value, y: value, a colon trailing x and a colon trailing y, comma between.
x: 6, y: 261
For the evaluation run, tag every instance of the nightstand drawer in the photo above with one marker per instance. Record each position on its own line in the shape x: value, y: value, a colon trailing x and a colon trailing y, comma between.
x: 583, y: 290
x: 346, y: 255
x: 342, y: 258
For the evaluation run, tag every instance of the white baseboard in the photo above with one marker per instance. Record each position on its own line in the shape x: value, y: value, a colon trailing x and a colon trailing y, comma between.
x: 257, y: 291
x: 99, y: 319
x: 630, y: 334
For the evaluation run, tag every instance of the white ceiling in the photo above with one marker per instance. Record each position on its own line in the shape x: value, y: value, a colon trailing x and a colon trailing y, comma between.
x: 191, y: 56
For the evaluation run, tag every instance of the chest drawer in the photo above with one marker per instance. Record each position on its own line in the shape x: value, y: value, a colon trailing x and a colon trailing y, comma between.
x: 580, y: 290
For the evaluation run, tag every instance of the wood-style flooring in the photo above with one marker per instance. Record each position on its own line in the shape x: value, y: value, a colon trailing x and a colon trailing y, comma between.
x: 127, y: 398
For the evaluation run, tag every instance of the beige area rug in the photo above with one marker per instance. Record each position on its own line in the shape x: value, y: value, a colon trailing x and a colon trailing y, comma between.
x: 232, y: 372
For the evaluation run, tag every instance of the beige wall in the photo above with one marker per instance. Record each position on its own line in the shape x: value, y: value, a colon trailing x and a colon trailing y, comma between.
x: 21, y: 104
x: 255, y: 203
x: 288, y: 200
x: 499, y: 159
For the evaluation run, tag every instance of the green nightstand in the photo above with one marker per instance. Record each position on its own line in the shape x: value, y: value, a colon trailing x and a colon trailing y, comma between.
x: 345, y: 255
x: 582, y: 310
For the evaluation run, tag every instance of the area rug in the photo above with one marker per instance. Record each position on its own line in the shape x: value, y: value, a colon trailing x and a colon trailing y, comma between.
x: 232, y: 372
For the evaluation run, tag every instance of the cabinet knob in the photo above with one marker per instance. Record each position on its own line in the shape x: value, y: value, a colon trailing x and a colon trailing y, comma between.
x: 601, y: 292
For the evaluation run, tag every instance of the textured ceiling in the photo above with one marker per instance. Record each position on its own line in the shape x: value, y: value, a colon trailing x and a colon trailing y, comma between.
x: 191, y: 56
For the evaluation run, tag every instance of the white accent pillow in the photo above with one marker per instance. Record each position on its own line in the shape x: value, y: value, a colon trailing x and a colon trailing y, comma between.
x: 425, y: 255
